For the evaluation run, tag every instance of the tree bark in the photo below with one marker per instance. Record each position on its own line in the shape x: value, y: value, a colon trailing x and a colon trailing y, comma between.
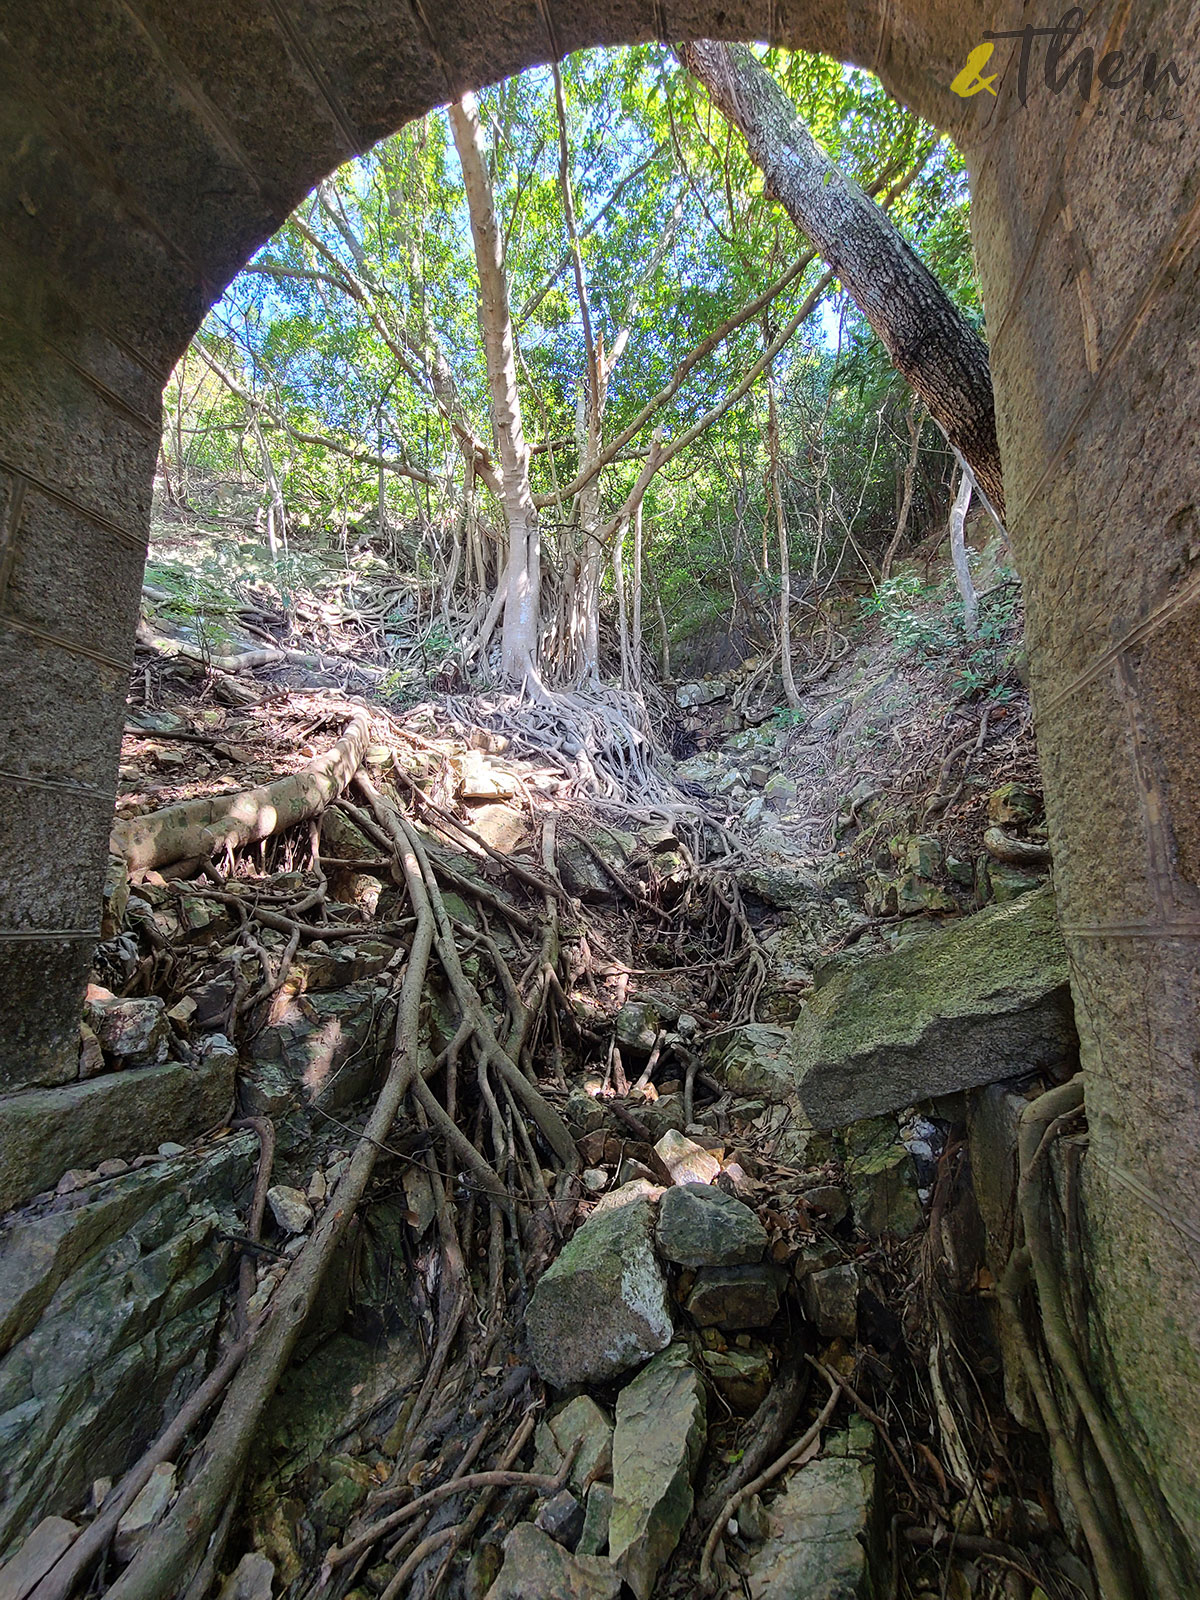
x: 958, y: 555
x: 927, y: 337
x: 519, y: 633
x: 785, y: 566
x: 914, y: 419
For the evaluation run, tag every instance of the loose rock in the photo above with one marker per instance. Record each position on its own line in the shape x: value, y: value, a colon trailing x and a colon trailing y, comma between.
x: 601, y: 1307
x: 290, y: 1208
x: 656, y: 1447
x: 819, y: 1530
x: 734, y: 1297
x: 831, y: 1301
x: 132, y: 1032
x: 535, y: 1566
x: 699, y: 1226
x: 579, y: 1420
x: 685, y: 1161
x: 145, y: 1512
x: 34, y: 1558
x: 562, y: 1518
x: 593, y: 1541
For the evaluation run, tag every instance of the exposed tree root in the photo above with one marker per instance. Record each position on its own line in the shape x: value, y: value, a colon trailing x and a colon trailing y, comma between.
x: 211, y: 825
x: 1034, y: 1263
x: 166, y: 1560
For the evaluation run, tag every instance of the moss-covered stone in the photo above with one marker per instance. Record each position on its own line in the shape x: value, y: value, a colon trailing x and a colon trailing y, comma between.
x: 656, y: 1448
x: 984, y: 999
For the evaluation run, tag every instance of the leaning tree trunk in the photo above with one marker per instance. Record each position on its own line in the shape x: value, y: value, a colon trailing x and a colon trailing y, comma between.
x: 927, y: 337
x: 519, y: 634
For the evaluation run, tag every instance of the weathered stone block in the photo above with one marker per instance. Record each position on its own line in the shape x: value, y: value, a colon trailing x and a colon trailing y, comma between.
x: 43, y: 1132
x: 699, y: 1226
x: 985, y: 999
x: 601, y: 1306
x: 656, y: 1448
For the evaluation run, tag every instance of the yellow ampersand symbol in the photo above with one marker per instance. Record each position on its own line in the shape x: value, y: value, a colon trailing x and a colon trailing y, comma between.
x: 968, y: 81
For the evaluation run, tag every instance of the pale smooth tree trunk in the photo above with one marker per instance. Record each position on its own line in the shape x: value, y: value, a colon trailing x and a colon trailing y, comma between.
x: 929, y: 340
x: 636, y: 600
x: 519, y: 630
x: 958, y: 555
x: 785, y: 565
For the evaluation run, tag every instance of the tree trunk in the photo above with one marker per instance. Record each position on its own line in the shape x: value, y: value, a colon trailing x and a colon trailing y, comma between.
x: 914, y: 419
x: 519, y: 633
x: 785, y: 566
x: 958, y: 555
x: 636, y: 600
x: 928, y: 339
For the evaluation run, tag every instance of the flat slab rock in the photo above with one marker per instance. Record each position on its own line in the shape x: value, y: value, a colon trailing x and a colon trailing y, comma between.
x: 535, y: 1566
x: 819, y: 1531
x: 985, y: 999
x: 601, y: 1308
x: 657, y: 1443
x: 699, y: 1226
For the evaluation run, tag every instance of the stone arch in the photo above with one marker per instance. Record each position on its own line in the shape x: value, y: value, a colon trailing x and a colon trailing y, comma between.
x: 150, y: 148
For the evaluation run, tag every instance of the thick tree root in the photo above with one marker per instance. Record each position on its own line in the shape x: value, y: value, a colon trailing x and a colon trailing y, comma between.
x: 171, y: 1553
x: 1034, y: 1262
x: 210, y: 825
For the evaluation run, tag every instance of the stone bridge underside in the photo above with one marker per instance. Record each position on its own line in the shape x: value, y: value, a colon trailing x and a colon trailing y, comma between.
x: 150, y: 146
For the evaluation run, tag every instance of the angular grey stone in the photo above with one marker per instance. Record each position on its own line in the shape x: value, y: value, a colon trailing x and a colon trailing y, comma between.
x: 534, y: 1566
x: 831, y: 1301
x: 637, y: 1026
x: 656, y: 1447
x: 133, y: 1032
x: 742, y: 1377
x: 290, y: 1208
x: 690, y: 695
x: 43, y: 1132
x: 686, y: 1161
x: 601, y: 1307
x: 754, y: 1059
x: 820, y: 1527
x: 146, y: 1511
x: 593, y: 1541
x: 580, y: 1420
x: 584, y: 876
x: 984, y: 999
x: 32, y: 1559
x: 734, y: 1297
x: 699, y: 1226
x: 562, y: 1518
x: 251, y: 1579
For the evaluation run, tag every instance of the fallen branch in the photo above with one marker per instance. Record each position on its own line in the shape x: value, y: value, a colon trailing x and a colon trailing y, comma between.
x: 247, y: 660
x: 211, y: 824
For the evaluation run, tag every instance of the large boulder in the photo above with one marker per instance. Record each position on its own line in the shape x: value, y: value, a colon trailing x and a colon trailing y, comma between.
x: 656, y: 1447
x: 601, y: 1307
x: 108, y: 1300
x: 984, y: 999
